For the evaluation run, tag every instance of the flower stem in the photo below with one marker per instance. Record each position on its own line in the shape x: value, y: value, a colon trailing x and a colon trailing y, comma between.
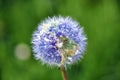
x: 63, y: 71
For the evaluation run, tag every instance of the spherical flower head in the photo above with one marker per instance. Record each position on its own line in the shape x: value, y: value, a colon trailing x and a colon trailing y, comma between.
x: 59, y: 41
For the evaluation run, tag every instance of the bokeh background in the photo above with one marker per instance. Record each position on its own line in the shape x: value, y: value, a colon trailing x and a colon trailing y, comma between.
x: 101, y: 22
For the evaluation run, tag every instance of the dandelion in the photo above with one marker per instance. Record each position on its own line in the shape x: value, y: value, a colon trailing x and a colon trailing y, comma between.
x: 59, y: 42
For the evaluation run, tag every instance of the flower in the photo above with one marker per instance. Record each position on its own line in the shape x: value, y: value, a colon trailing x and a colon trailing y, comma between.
x: 59, y: 41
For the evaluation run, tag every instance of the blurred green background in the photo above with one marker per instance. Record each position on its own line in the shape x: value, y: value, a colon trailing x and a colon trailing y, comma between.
x: 101, y: 21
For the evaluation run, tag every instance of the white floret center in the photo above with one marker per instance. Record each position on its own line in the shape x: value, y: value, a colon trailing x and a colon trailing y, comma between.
x: 59, y: 44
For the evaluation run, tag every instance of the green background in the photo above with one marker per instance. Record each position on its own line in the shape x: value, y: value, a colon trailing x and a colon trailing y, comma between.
x: 101, y: 22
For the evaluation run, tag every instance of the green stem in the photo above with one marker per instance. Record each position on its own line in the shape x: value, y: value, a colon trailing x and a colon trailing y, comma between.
x: 63, y: 71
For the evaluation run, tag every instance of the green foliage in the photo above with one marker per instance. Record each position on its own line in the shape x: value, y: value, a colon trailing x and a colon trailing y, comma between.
x: 100, y: 18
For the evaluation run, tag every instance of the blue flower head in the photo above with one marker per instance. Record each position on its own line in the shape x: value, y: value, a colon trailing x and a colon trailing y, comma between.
x: 59, y: 41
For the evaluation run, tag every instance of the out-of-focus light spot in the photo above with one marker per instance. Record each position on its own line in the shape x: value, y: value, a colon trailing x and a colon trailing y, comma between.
x: 22, y: 51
